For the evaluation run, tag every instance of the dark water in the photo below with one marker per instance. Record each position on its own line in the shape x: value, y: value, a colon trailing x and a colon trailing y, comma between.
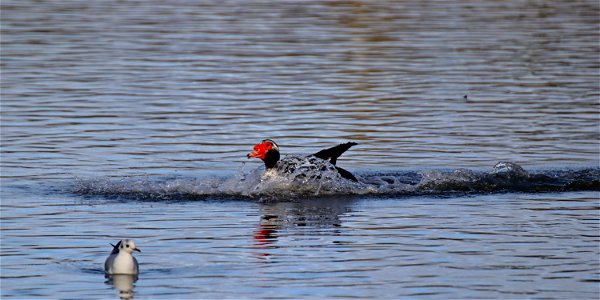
x: 132, y: 119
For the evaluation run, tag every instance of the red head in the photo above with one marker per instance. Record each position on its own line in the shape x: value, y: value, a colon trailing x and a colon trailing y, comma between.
x: 260, y: 150
x: 268, y: 151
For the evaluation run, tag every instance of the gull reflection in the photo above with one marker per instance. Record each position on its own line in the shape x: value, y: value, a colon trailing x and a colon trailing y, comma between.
x: 124, y: 284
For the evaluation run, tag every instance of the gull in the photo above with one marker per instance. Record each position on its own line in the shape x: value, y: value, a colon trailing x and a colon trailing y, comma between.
x: 120, y: 260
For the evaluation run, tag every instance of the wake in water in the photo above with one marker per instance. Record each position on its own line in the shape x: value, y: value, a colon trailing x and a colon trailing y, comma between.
x: 258, y: 184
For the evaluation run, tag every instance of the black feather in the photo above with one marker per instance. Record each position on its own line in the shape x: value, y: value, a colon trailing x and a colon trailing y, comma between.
x: 271, y: 158
x: 116, y: 247
x: 346, y: 174
x: 333, y: 153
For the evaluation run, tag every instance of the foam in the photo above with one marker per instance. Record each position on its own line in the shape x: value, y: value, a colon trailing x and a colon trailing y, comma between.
x: 321, y: 180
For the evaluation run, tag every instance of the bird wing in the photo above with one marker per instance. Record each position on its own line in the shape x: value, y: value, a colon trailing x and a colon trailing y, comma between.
x: 115, y: 249
x: 346, y: 174
x: 333, y: 153
x: 135, y: 265
x: 109, y: 262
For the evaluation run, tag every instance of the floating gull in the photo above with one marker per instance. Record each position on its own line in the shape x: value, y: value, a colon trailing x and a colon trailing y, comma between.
x: 120, y: 260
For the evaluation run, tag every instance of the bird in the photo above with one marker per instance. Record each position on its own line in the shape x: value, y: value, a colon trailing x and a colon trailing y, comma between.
x: 121, y: 260
x: 268, y: 151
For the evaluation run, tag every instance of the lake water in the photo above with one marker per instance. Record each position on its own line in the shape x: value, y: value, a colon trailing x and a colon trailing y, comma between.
x: 477, y: 125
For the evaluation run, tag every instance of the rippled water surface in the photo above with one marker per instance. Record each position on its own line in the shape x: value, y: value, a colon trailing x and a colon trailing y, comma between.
x: 132, y: 119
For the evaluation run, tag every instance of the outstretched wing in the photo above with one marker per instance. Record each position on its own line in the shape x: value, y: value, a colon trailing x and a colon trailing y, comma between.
x: 333, y: 153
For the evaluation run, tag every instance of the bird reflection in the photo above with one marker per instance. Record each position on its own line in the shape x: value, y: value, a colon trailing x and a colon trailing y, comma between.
x: 264, y: 238
x: 124, y: 284
x: 309, y: 215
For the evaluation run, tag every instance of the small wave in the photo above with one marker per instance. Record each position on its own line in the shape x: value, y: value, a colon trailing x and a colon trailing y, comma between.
x: 258, y: 184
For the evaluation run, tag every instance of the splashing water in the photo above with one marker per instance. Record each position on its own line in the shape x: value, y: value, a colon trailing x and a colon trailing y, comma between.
x: 319, y: 178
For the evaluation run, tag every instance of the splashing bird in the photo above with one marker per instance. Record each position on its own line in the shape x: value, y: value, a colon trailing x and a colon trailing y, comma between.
x: 268, y: 151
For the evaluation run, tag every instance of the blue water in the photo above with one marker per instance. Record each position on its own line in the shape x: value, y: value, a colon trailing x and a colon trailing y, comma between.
x: 476, y: 122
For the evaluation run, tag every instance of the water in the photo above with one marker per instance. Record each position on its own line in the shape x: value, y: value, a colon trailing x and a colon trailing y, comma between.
x: 133, y: 120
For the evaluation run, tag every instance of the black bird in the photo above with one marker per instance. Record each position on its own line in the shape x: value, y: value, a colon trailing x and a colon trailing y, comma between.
x: 268, y: 151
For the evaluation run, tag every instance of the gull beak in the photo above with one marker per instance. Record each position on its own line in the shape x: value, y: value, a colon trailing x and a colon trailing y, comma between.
x: 137, y: 249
